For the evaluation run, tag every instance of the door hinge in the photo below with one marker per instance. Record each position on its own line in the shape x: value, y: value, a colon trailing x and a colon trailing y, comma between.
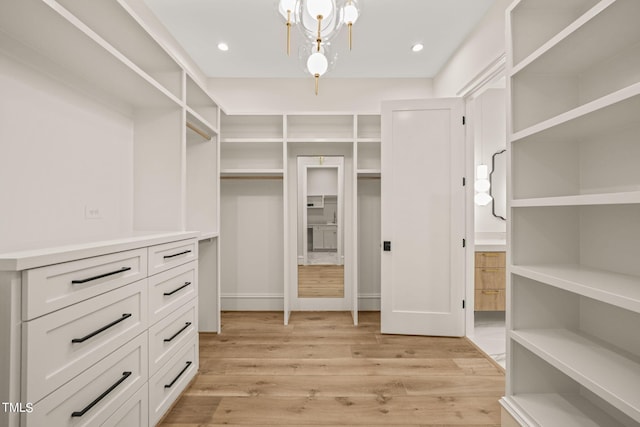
x: 464, y: 181
x: 464, y: 243
x: 464, y: 120
x: 463, y: 304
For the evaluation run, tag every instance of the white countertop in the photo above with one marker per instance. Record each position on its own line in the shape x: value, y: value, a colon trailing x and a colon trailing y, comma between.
x: 490, y: 245
x: 17, y: 261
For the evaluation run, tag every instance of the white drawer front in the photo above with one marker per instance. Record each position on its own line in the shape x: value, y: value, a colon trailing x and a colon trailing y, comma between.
x: 171, y: 289
x: 92, y: 397
x: 167, y: 384
x: 61, y: 345
x: 134, y: 412
x: 53, y: 287
x: 170, y: 334
x: 169, y: 255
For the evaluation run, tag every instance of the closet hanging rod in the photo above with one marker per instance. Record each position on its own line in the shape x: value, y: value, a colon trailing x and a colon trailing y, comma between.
x: 199, y: 131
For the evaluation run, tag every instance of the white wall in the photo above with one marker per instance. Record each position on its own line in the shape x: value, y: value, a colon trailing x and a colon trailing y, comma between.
x: 252, y: 244
x: 482, y: 47
x: 369, y: 240
x: 295, y: 95
x: 490, y: 137
x: 59, y: 152
x: 322, y: 181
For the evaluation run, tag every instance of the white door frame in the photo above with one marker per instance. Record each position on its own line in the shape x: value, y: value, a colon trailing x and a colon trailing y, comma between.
x: 474, y: 88
x: 318, y: 304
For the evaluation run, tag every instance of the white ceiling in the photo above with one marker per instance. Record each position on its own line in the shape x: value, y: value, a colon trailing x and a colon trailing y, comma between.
x: 382, y: 37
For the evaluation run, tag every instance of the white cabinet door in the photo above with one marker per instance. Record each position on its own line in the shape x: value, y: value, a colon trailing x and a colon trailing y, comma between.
x: 318, y: 237
x: 330, y: 238
x: 423, y: 217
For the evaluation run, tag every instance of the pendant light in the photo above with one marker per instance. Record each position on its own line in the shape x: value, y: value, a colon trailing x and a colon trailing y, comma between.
x: 319, y: 21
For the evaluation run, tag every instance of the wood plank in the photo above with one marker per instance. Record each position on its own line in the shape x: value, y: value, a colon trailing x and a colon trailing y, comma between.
x: 316, y: 371
x: 190, y: 409
x: 302, y: 386
x: 346, y: 366
x: 454, y: 386
x: 271, y: 351
x: 320, y: 281
x: 382, y: 351
x: 319, y: 337
x: 358, y: 410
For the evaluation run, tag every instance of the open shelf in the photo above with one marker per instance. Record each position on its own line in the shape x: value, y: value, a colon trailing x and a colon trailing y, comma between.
x: 252, y: 140
x: 250, y: 127
x: 201, y: 104
x: 564, y: 409
x: 594, y: 60
x: 589, y: 150
x: 620, y: 290
x: 252, y: 172
x: 602, y: 237
x: 57, y: 43
x: 368, y: 173
x: 536, y: 22
x: 581, y: 200
x: 320, y: 128
x: 255, y: 154
x: 321, y: 140
x: 611, y: 375
x: 114, y: 21
x: 368, y: 128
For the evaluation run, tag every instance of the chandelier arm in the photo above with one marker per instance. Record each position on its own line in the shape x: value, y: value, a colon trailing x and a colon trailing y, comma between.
x: 319, y: 39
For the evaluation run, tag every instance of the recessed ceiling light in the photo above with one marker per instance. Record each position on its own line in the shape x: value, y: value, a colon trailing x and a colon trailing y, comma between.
x: 223, y: 47
x: 417, y: 47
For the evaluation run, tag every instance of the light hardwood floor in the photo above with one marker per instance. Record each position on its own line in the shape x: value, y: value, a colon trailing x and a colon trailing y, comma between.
x: 322, y: 371
x: 320, y: 281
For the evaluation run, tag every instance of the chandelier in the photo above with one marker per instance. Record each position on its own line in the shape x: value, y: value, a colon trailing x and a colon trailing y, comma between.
x: 319, y: 21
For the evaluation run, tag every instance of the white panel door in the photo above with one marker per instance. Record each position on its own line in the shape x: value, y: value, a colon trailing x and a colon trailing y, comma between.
x: 423, y: 217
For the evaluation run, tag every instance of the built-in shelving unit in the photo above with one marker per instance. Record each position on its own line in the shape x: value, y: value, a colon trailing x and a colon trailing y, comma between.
x: 255, y: 164
x: 368, y: 140
x: 103, y: 67
x: 574, y: 223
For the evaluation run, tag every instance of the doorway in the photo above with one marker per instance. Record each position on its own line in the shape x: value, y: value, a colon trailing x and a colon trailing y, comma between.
x: 321, y: 225
x: 486, y: 263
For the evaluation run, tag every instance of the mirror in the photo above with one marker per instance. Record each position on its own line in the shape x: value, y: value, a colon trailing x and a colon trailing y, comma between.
x: 498, y: 180
x: 320, y: 227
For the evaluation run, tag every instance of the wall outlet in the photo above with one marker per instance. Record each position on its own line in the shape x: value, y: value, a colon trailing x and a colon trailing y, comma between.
x: 92, y: 212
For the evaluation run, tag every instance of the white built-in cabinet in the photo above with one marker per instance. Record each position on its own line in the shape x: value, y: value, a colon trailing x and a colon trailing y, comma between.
x: 100, y: 53
x: 257, y: 153
x: 574, y: 213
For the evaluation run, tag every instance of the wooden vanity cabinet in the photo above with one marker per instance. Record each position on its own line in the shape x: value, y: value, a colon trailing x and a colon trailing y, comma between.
x: 490, y: 280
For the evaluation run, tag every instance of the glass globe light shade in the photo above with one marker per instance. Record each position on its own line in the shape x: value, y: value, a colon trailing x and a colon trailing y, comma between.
x: 287, y: 5
x: 482, y: 199
x: 322, y: 8
x: 350, y: 14
x: 482, y: 185
x: 329, y: 27
x: 317, y: 64
x: 482, y: 172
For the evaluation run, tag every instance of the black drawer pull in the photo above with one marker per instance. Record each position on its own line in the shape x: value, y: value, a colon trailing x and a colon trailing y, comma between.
x: 174, y: 255
x: 101, y: 275
x: 186, y: 325
x: 104, y: 328
x: 125, y: 375
x: 166, y: 294
x: 179, y: 375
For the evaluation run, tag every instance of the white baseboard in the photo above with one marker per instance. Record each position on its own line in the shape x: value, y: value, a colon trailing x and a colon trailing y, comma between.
x: 252, y: 302
x: 369, y: 302
x: 275, y: 302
